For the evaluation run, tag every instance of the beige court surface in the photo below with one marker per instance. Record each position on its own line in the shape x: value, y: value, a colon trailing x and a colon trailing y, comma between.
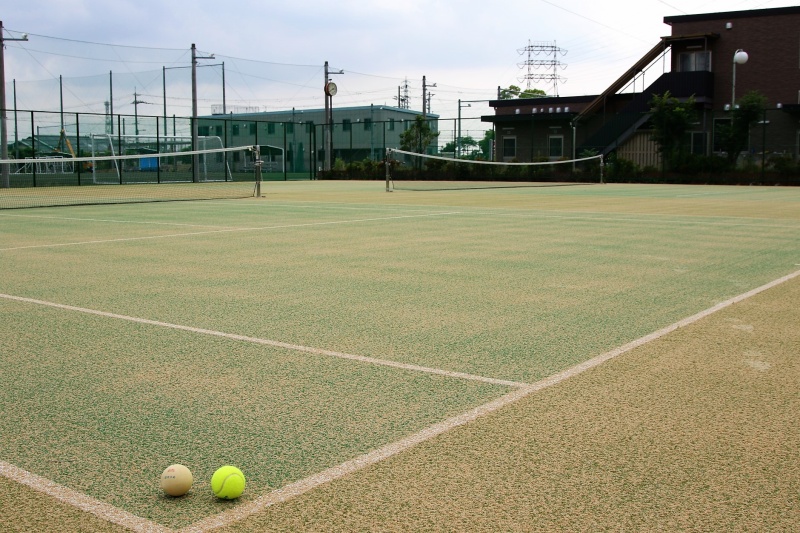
x: 696, y: 430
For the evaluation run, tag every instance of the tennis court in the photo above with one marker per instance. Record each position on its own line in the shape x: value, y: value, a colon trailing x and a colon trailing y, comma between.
x: 331, y: 339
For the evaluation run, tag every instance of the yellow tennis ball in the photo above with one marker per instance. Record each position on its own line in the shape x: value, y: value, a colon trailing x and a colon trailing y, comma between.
x: 228, y: 482
x: 176, y: 480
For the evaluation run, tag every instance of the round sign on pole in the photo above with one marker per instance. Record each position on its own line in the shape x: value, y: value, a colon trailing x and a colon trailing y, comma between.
x: 330, y: 89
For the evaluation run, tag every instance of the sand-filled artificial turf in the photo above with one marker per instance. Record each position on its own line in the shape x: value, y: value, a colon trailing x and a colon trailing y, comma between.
x: 696, y: 431
x: 220, y: 332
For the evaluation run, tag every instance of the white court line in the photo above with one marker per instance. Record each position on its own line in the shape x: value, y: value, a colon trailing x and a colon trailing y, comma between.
x: 273, y: 343
x: 593, y: 216
x: 226, y: 230
x: 113, y: 221
x: 381, y: 454
x: 80, y: 501
x: 302, y: 486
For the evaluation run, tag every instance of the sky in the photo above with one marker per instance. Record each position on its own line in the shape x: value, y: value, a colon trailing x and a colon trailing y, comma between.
x: 85, y: 53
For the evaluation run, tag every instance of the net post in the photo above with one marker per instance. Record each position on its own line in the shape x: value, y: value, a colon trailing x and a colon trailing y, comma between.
x: 387, y: 164
x: 257, y: 169
x: 602, y: 164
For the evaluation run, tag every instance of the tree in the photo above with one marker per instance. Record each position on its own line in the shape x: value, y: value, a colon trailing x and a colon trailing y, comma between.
x: 671, y: 120
x: 468, y: 146
x: 486, y: 143
x: 515, y: 92
x: 418, y: 136
x: 746, y: 113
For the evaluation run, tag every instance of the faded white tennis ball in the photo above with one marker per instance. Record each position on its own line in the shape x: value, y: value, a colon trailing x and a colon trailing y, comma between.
x: 176, y: 480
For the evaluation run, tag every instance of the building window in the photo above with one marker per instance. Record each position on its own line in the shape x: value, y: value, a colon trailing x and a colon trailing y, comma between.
x: 556, y: 146
x: 218, y: 131
x: 367, y: 124
x: 290, y: 127
x: 235, y: 130
x: 252, y: 128
x: 694, y: 61
x: 202, y: 131
x: 509, y: 147
x: 391, y: 124
x: 271, y: 128
x: 346, y: 125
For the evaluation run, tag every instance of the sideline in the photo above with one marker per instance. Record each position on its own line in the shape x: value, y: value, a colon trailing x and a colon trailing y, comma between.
x: 81, y: 501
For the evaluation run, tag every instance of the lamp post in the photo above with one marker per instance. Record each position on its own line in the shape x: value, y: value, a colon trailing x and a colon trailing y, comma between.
x: 462, y: 104
x: 740, y: 57
x: 164, y: 70
x: 458, y: 134
x: 5, y: 180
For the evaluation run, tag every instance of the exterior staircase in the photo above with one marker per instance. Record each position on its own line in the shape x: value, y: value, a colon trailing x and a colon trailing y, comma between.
x: 617, y: 129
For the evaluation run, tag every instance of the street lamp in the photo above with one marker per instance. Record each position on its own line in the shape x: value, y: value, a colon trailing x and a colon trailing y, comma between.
x: 5, y: 180
x: 740, y: 57
x: 164, y: 86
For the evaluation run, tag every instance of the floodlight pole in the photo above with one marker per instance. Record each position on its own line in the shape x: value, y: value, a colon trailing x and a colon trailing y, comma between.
x: 195, y: 157
x: 5, y: 180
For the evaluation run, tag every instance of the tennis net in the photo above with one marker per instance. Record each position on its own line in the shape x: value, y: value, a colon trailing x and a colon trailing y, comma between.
x: 141, y: 177
x: 412, y: 171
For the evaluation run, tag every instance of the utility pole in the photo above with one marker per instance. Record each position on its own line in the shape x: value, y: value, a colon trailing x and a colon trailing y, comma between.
x: 425, y: 102
x: 136, y: 103
x: 195, y: 157
x: 5, y: 180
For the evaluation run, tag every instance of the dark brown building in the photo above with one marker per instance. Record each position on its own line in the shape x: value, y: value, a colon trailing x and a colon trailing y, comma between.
x: 700, y: 51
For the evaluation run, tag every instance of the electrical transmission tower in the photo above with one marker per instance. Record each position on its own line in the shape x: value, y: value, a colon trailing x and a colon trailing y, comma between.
x: 549, y: 50
x: 402, y: 98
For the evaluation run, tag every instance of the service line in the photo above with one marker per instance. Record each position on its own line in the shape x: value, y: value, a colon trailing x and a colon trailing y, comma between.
x: 273, y: 343
x: 226, y: 230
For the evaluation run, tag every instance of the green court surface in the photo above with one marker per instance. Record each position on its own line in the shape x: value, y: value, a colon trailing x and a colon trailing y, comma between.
x: 291, y: 333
